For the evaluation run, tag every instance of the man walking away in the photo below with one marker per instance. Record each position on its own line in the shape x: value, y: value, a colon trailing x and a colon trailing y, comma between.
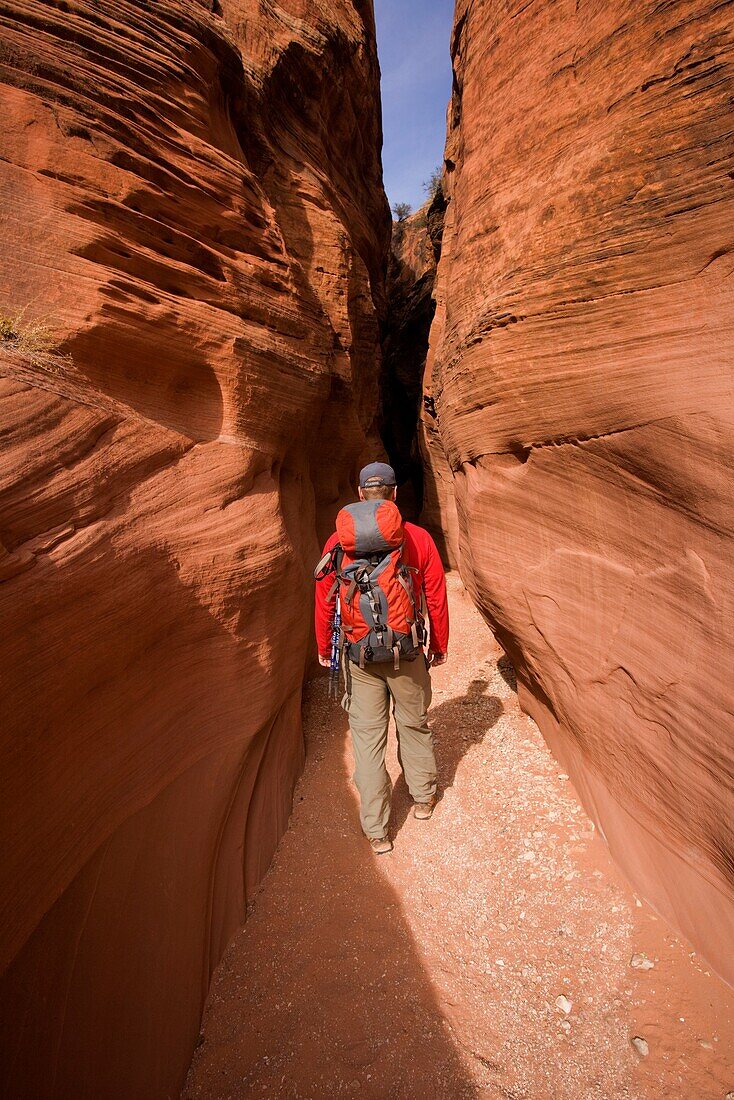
x: 379, y: 574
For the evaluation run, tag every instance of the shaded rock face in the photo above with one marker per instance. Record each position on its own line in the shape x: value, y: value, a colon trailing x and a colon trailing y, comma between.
x: 410, y: 275
x: 192, y: 200
x: 408, y: 424
x: 581, y: 362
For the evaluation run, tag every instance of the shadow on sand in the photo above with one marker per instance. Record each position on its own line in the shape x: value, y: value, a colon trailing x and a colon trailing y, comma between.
x: 324, y: 992
x: 457, y: 724
x: 506, y: 670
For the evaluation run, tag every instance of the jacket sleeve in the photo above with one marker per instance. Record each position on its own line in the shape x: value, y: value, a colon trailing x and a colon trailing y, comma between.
x: 325, y: 607
x: 434, y: 586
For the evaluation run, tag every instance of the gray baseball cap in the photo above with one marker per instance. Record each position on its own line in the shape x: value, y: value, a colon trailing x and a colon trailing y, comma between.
x: 377, y: 473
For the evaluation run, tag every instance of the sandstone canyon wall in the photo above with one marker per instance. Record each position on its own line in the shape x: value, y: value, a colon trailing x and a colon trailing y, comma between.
x: 194, y: 240
x: 581, y: 361
x: 410, y: 306
x: 408, y: 416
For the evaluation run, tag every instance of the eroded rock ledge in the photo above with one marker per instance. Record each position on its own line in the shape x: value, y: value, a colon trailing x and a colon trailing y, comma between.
x: 581, y: 364
x: 192, y: 201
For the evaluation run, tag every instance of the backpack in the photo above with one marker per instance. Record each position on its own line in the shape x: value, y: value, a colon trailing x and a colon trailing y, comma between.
x: 380, y: 619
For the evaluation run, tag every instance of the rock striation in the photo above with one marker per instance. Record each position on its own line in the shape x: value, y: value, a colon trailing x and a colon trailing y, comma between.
x: 192, y: 289
x: 581, y: 362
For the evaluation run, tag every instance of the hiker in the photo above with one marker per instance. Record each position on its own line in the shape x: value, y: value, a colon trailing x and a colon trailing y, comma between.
x: 383, y: 578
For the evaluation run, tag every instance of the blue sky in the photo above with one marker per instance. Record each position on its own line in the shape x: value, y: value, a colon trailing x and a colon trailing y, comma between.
x: 413, y: 38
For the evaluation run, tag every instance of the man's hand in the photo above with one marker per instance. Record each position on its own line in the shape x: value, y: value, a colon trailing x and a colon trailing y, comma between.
x: 325, y: 661
x: 435, y: 659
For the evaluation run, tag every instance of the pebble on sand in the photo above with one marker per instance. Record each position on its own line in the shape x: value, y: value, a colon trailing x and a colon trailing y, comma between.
x: 641, y: 962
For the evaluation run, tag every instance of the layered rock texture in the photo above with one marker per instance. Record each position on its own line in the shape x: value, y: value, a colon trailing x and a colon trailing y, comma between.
x: 194, y: 241
x: 581, y: 361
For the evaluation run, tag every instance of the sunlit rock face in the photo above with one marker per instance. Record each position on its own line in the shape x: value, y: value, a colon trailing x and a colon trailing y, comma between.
x: 581, y: 363
x: 192, y: 209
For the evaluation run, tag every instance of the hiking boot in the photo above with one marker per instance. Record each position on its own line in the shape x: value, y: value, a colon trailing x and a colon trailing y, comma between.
x: 424, y: 810
x: 380, y: 845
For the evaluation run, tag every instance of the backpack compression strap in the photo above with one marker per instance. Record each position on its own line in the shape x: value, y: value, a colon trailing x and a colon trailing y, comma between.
x: 404, y: 571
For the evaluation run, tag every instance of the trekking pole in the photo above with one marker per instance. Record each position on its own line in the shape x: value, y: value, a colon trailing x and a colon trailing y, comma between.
x: 336, y: 630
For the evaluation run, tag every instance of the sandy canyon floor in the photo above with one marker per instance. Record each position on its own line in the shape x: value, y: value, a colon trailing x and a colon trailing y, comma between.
x: 496, y: 952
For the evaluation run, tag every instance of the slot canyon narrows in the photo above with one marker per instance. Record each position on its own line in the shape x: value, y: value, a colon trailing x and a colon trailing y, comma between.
x: 208, y: 324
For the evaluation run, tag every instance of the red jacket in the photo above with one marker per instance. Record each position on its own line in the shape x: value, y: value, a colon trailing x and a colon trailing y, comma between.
x: 419, y: 551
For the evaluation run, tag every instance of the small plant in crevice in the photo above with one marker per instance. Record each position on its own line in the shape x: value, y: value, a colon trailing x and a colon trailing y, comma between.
x: 34, y: 339
x: 433, y: 184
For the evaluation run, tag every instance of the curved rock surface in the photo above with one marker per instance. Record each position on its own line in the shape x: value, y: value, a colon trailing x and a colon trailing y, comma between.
x: 581, y: 363
x: 195, y: 236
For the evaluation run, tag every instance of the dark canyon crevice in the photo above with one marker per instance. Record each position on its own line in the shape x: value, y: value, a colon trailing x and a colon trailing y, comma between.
x: 414, y: 253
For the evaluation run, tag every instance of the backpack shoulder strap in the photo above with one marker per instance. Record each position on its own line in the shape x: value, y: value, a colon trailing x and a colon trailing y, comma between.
x: 330, y: 563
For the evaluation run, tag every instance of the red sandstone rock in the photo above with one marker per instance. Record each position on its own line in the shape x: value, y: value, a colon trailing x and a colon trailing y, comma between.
x: 206, y: 237
x: 581, y: 360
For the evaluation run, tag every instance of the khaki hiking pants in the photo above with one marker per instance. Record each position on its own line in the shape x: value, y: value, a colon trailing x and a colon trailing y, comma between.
x: 368, y: 706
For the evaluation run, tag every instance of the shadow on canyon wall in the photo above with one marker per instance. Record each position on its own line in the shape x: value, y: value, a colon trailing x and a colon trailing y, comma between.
x: 143, y: 864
